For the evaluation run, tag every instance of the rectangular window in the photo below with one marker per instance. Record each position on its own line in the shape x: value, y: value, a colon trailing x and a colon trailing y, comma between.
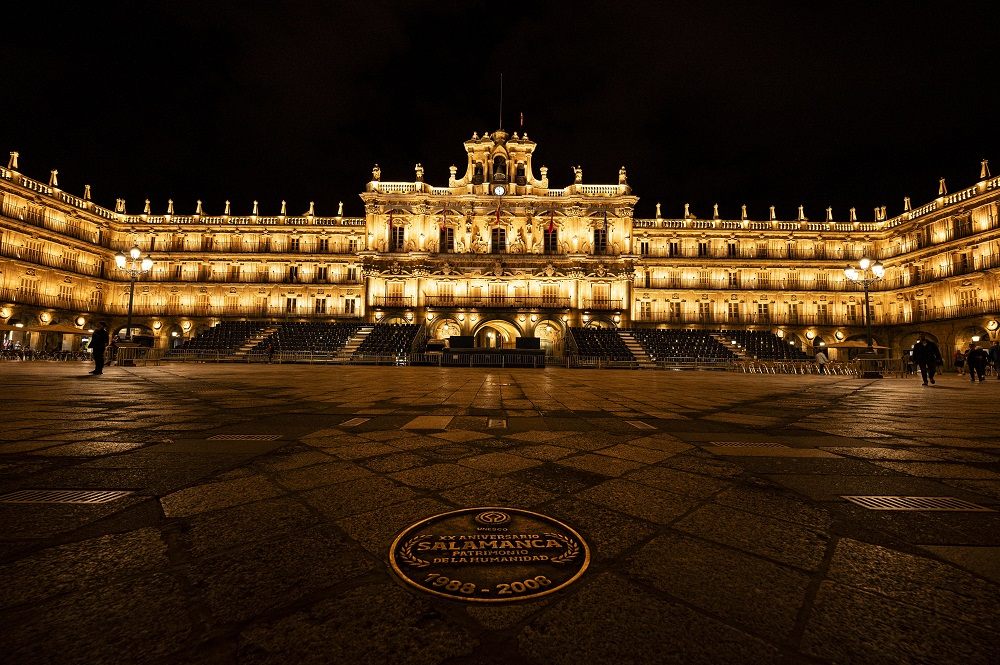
x: 207, y: 243
x: 734, y: 280
x: 704, y: 279
x: 600, y: 241
x: 352, y: 274
x: 350, y: 306
x: 702, y: 248
x: 674, y: 311
x: 822, y: 315
x: 822, y: 282
x: 320, y: 305
x: 321, y: 273
x: 644, y: 248
x: 498, y: 293
x: 762, y: 250
x: 550, y: 295
x: 294, y: 245
x: 291, y: 305
x: 324, y: 245
x: 398, y: 238
x: 173, y: 302
x: 852, y: 313
x: 645, y: 310
x: 447, y: 240
x: 65, y: 293
x: 352, y: 245
x: 793, y: 312
x: 234, y: 273
x: 705, y: 311
x: 178, y: 272
x: 551, y: 238
x: 674, y: 248
x: 734, y: 312
x: 293, y: 274
x: 732, y: 249
x: 763, y: 312
x: 763, y: 280
x: 446, y: 292
x: 498, y: 240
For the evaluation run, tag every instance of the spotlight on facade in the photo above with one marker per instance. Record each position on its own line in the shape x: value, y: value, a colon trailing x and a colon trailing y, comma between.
x: 80, y: 321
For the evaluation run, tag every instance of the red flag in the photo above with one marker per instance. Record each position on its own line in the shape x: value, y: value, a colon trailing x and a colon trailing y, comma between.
x: 498, y: 215
x: 551, y: 226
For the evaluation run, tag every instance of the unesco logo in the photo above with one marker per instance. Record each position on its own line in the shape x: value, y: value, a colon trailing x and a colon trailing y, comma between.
x: 492, y: 518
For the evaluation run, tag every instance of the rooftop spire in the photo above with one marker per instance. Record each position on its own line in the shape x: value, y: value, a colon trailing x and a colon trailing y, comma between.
x: 170, y: 206
x: 145, y: 208
x: 829, y: 214
x: 853, y: 215
x: 12, y: 162
x: 197, y: 208
x: 906, y: 204
x: 942, y: 187
x: 984, y: 168
x: 86, y: 192
x: 54, y: 178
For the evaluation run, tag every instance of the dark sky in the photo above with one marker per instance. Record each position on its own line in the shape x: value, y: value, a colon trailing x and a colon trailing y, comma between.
x: 817, y: 103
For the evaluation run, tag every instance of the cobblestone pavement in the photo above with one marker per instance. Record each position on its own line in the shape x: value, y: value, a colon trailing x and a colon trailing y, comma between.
x: 707, y: 548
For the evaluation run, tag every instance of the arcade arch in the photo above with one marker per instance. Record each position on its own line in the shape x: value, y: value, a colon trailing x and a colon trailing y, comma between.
x: 496, y: 334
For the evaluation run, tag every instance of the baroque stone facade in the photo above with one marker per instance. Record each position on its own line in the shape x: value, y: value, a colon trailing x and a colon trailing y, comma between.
x: 499, y: 254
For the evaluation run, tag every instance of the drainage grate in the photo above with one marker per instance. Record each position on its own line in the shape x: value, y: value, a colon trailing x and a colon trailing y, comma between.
x: 354, y: 422
x: 748, y: 444
x: 914, y: 503
x: 244, y: 437
x: 63, y: 496
x: 638, y: 424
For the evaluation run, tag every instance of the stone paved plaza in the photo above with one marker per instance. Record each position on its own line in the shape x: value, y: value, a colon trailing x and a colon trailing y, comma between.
x: 710, y: 544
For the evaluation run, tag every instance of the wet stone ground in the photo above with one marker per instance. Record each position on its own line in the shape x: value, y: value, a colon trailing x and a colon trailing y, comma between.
x: 710, y: 543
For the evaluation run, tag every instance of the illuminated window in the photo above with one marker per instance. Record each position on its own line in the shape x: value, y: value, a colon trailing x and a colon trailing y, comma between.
x: 447, y: 240
x: 600, y: 241
x: 498, y: 240
x: 320, y: 305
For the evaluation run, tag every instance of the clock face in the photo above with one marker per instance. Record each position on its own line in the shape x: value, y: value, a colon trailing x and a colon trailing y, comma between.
x: 499, y: 190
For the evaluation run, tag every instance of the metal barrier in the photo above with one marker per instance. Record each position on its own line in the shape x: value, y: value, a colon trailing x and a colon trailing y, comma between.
x: 133, y: 356
x: 599, y: 362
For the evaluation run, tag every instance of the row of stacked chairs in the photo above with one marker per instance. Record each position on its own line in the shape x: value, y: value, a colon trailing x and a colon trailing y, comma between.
x: 389, y: 339
x: 663, y: 344
x: 309, y: 336
x: 601, y: 343
x: 764, y: 345
x: 225, y: 337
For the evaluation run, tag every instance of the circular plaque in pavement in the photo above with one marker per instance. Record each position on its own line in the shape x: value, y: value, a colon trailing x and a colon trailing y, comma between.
x: 489, y: 555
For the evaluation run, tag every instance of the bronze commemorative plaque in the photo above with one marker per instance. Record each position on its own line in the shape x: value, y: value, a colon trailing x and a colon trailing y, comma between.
x: 489, y: 555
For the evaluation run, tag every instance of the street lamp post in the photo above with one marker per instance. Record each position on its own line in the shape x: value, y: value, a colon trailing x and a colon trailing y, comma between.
x: 867, y: 273
x: 135, y: 265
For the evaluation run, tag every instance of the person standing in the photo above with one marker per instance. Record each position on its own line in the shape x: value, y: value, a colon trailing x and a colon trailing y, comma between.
x: 978, y: 359
x: 821, y: 361
x: 98, y: 344
x: 995, y: 357
x: 959, y: 361
x: 927, y: 357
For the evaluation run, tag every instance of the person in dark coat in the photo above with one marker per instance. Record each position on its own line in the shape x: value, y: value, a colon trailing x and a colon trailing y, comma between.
x: 927, y: 357
x: 98, y: 343
x: 978, y: 359
x: 995, y: 358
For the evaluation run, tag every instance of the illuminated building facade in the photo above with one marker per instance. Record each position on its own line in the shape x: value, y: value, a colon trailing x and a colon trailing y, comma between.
x: 499, y: 254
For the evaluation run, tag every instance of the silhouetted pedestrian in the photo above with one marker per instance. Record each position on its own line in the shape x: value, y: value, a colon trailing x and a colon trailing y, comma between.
x: 98, y: 343
x: 959, y: 361
x: 927, y: 357
x: 978, y: 359
x: 995, y: 358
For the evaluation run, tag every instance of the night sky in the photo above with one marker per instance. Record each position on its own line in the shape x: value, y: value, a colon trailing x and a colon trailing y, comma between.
x: 757, y: 103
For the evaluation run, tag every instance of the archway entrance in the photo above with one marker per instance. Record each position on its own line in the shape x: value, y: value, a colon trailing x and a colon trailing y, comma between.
x: 446, y: 329
x: 496, y: 334
x: 550, y: 336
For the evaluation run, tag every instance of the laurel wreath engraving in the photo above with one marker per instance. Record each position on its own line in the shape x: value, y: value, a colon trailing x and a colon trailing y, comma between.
x: 572, y: 548
x: 407, y: 555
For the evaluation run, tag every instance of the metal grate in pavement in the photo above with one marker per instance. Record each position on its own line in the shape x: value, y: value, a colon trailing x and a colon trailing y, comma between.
x: 748, y: 444
x: 63, y: 496
x: 638, y: 424
x: 497, y: 423
x: 354, y: 422
x: 244, y: 437
x: 916, y: 503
